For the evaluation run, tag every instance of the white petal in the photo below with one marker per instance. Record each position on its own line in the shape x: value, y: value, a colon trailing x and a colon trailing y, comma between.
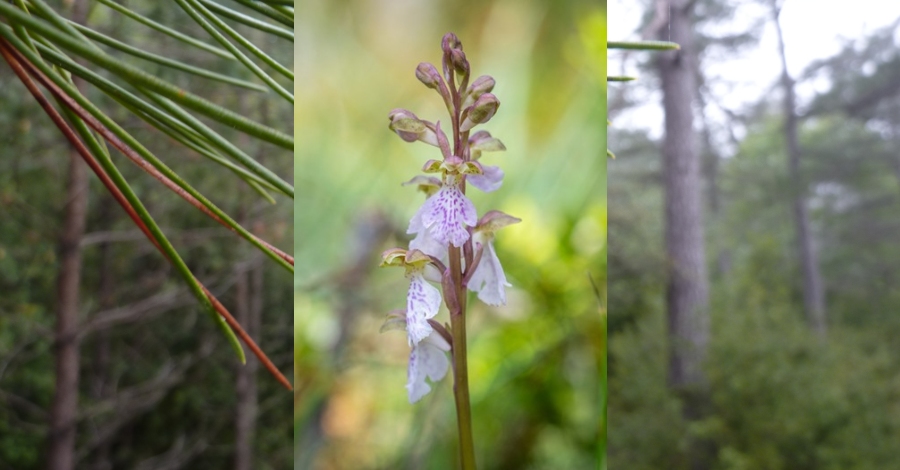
x: 422, y: 302
x: 415, y: 224
x: 491, y: 180
x: 427, y: 360
x: 426, y: 243
x: 489, y: 280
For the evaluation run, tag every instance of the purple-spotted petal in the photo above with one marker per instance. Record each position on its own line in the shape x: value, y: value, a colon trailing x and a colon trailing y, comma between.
x: 422, y: 302
x: 446, y: 215
x: 490, y: 180
x: 426, y: 360
x: 489, y: 280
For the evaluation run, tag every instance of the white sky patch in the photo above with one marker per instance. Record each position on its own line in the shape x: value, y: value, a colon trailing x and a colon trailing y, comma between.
x: 813, y: 30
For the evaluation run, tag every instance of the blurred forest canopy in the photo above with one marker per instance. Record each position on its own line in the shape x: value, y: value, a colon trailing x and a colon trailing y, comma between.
x: 780, y: 397
x: 159, y: 386
x: 534, y: 365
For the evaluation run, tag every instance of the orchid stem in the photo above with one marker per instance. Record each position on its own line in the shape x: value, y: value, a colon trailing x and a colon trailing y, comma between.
x: 461, y: 368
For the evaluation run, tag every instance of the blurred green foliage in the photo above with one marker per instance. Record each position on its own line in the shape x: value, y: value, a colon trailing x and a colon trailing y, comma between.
x: 534, y: 364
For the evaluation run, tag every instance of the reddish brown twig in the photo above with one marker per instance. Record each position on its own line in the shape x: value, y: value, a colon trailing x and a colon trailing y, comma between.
x: 16, y: 62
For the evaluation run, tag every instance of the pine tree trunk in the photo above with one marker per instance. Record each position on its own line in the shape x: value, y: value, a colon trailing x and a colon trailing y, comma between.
x: 813, y: 292
x: 688, y: 285
x: 64, y: 408
x: 61, y: 452
x: 248, y: 309
x: 687, y: 301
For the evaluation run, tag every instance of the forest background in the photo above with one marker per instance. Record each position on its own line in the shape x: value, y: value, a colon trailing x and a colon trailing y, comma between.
x: 795, y: 376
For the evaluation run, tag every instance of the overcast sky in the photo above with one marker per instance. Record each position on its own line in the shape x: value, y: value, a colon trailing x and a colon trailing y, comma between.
x: 813, y: 29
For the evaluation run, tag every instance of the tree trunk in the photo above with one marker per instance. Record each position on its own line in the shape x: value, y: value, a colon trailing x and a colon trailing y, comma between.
x: 64, y: 408
x: 61, y: 451
x: 687, y: 301
x: 813, y: 292
x: 99, y: 387
x: 688, y: 286
x: 248, y: 310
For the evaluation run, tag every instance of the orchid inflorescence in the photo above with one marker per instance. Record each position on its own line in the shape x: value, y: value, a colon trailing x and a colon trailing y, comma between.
x: 452, y: 247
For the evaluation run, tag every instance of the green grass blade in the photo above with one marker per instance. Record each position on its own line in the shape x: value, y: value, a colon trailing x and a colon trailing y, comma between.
x: 135, y: 103
x: 285, y: 10
x: 221, y: 143
x: 177, y: 135
x: 270, y: 12
x: 135, y: 76
x: 643, y: 45
x: 242, y: 40
x: 202, y: 17
x: 21, y: 32
x: 247, y: 20
x: 134, y: 51
x: 55, y: 19
x: 167, y: 30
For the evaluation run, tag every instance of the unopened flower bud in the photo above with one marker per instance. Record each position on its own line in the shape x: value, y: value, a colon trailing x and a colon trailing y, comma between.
x: 460, y: 64
x: 405, y: 124
x: 480, y: 112
x: 450, y: 42
x: 410, y: 128
x: 428, y: 74
x: 481, y: 85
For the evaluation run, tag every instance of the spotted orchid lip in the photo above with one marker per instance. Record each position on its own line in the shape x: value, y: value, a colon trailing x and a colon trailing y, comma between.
x: 446, y: 214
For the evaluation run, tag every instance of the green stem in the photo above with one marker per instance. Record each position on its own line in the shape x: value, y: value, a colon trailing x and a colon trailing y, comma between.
x: 643, y: 45
x: 460, y: 367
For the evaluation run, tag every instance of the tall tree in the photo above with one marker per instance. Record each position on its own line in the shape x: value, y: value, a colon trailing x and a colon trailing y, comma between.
x: 64, y: 409
x: 687, y: 292
x: 813, y: 291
